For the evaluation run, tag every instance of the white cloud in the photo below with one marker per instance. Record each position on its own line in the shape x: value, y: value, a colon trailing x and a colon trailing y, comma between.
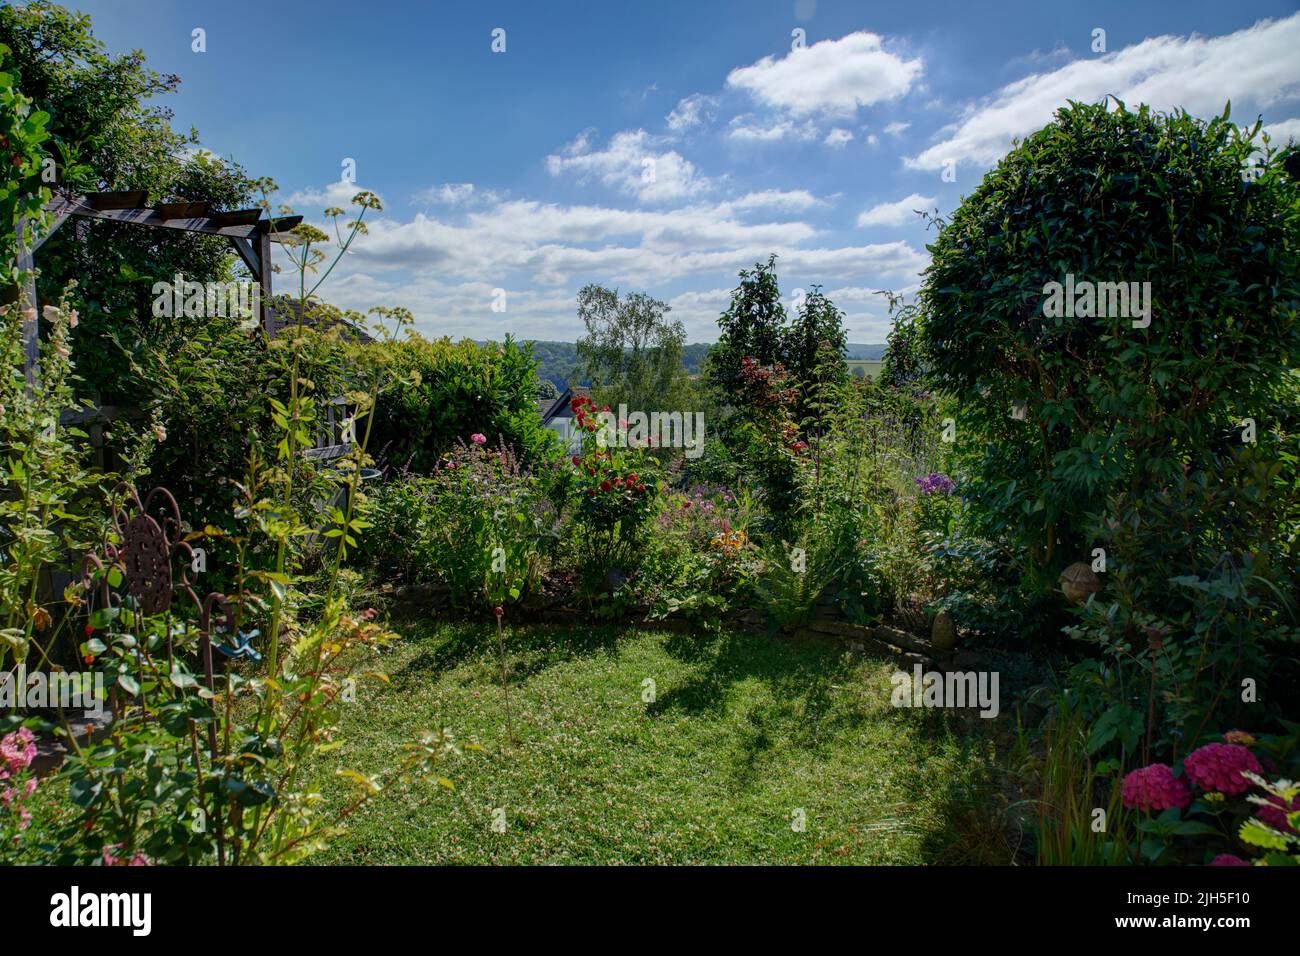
x: 792, y: 199
x: 630, y: 164
x: 314, y: 200
x: 1280, y: 134
x: 746, y: 129
x: 455, y: 194
x: 895, y: 213
x: 1256, y: 65
x: 692, y: 111
x: 541, y: 253
x: 832, y: 77
x: 838, y: 138
x: 894, y: 129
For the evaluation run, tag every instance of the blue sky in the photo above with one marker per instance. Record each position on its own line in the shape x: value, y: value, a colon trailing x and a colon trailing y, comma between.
x: 663, y: 146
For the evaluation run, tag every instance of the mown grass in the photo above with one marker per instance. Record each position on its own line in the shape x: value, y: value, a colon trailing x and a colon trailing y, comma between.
x: 743, y: 731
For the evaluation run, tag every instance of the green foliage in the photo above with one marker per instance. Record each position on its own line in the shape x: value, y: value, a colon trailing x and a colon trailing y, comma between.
x: 1109, y: 195
x: 753, y: 326
x: 814, y: 349
x: 449, y: 390
x: 46, y: 490
x: 478, y: 526
x: 632, y: 353
x: 23, y: 139
x: 99, y: 111
x: 1169, y: 445
x: 613, y: 491
x: 1070, y: 788
x: 904, y: 364
x: 699, y: 561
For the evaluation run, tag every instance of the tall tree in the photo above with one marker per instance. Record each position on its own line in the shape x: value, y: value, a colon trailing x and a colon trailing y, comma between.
x: 815, y: 346
x: 632, y: 352
x: 810, y: 349
x: 753, y: 326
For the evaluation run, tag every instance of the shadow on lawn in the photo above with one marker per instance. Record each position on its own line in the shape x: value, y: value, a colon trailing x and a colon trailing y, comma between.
x: 799, y: 676
x: 531, y: 648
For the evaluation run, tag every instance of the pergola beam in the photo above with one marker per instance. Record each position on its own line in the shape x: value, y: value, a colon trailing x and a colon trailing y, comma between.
x: 250, y: 234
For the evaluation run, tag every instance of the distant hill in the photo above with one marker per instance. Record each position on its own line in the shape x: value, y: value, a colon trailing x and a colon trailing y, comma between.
x: 557, y: 360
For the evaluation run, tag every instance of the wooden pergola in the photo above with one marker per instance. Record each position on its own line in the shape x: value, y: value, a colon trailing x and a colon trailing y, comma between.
x: 246, y: 229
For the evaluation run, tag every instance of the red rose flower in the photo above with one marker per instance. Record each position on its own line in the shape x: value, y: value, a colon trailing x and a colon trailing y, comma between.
x: 605, y: 485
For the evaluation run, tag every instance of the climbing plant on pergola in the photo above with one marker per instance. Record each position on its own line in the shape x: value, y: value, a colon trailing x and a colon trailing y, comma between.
x: 247, y: 230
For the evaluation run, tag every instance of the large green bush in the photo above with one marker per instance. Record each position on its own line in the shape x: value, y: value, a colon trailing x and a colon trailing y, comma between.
x: 452, y: 389
x: 1111, y: 195
x: 1164, y: 444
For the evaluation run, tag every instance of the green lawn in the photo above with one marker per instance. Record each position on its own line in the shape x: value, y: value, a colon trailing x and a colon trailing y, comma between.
x: 744, y: 731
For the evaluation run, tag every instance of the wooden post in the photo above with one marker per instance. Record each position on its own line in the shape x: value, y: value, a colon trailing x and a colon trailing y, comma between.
x: 27, y: 302
x: 264, y: 278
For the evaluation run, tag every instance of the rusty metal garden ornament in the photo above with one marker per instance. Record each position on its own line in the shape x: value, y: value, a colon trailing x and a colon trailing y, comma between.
x: 144, y: 554
x: 146, y: 548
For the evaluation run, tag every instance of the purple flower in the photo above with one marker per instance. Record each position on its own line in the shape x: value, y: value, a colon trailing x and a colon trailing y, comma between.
x: 936, y: 482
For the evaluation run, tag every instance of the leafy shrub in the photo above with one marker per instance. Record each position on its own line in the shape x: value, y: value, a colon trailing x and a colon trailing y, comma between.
x: 478, y: 526
x: 1220, y: 805
x: 48, y: 497
x: 1108, y: 195
x: 22, y: 191
x: 700, y: 560
x: 614, y: 491
x: 450, y: 389
x: 1093, y: 428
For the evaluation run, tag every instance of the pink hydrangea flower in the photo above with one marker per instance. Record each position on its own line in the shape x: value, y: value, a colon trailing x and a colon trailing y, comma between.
x: 1221, y: 768
x: 1275, y: 813
x: 478, y: 438
x: 1227, y: 859
x: 1155, y: 788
